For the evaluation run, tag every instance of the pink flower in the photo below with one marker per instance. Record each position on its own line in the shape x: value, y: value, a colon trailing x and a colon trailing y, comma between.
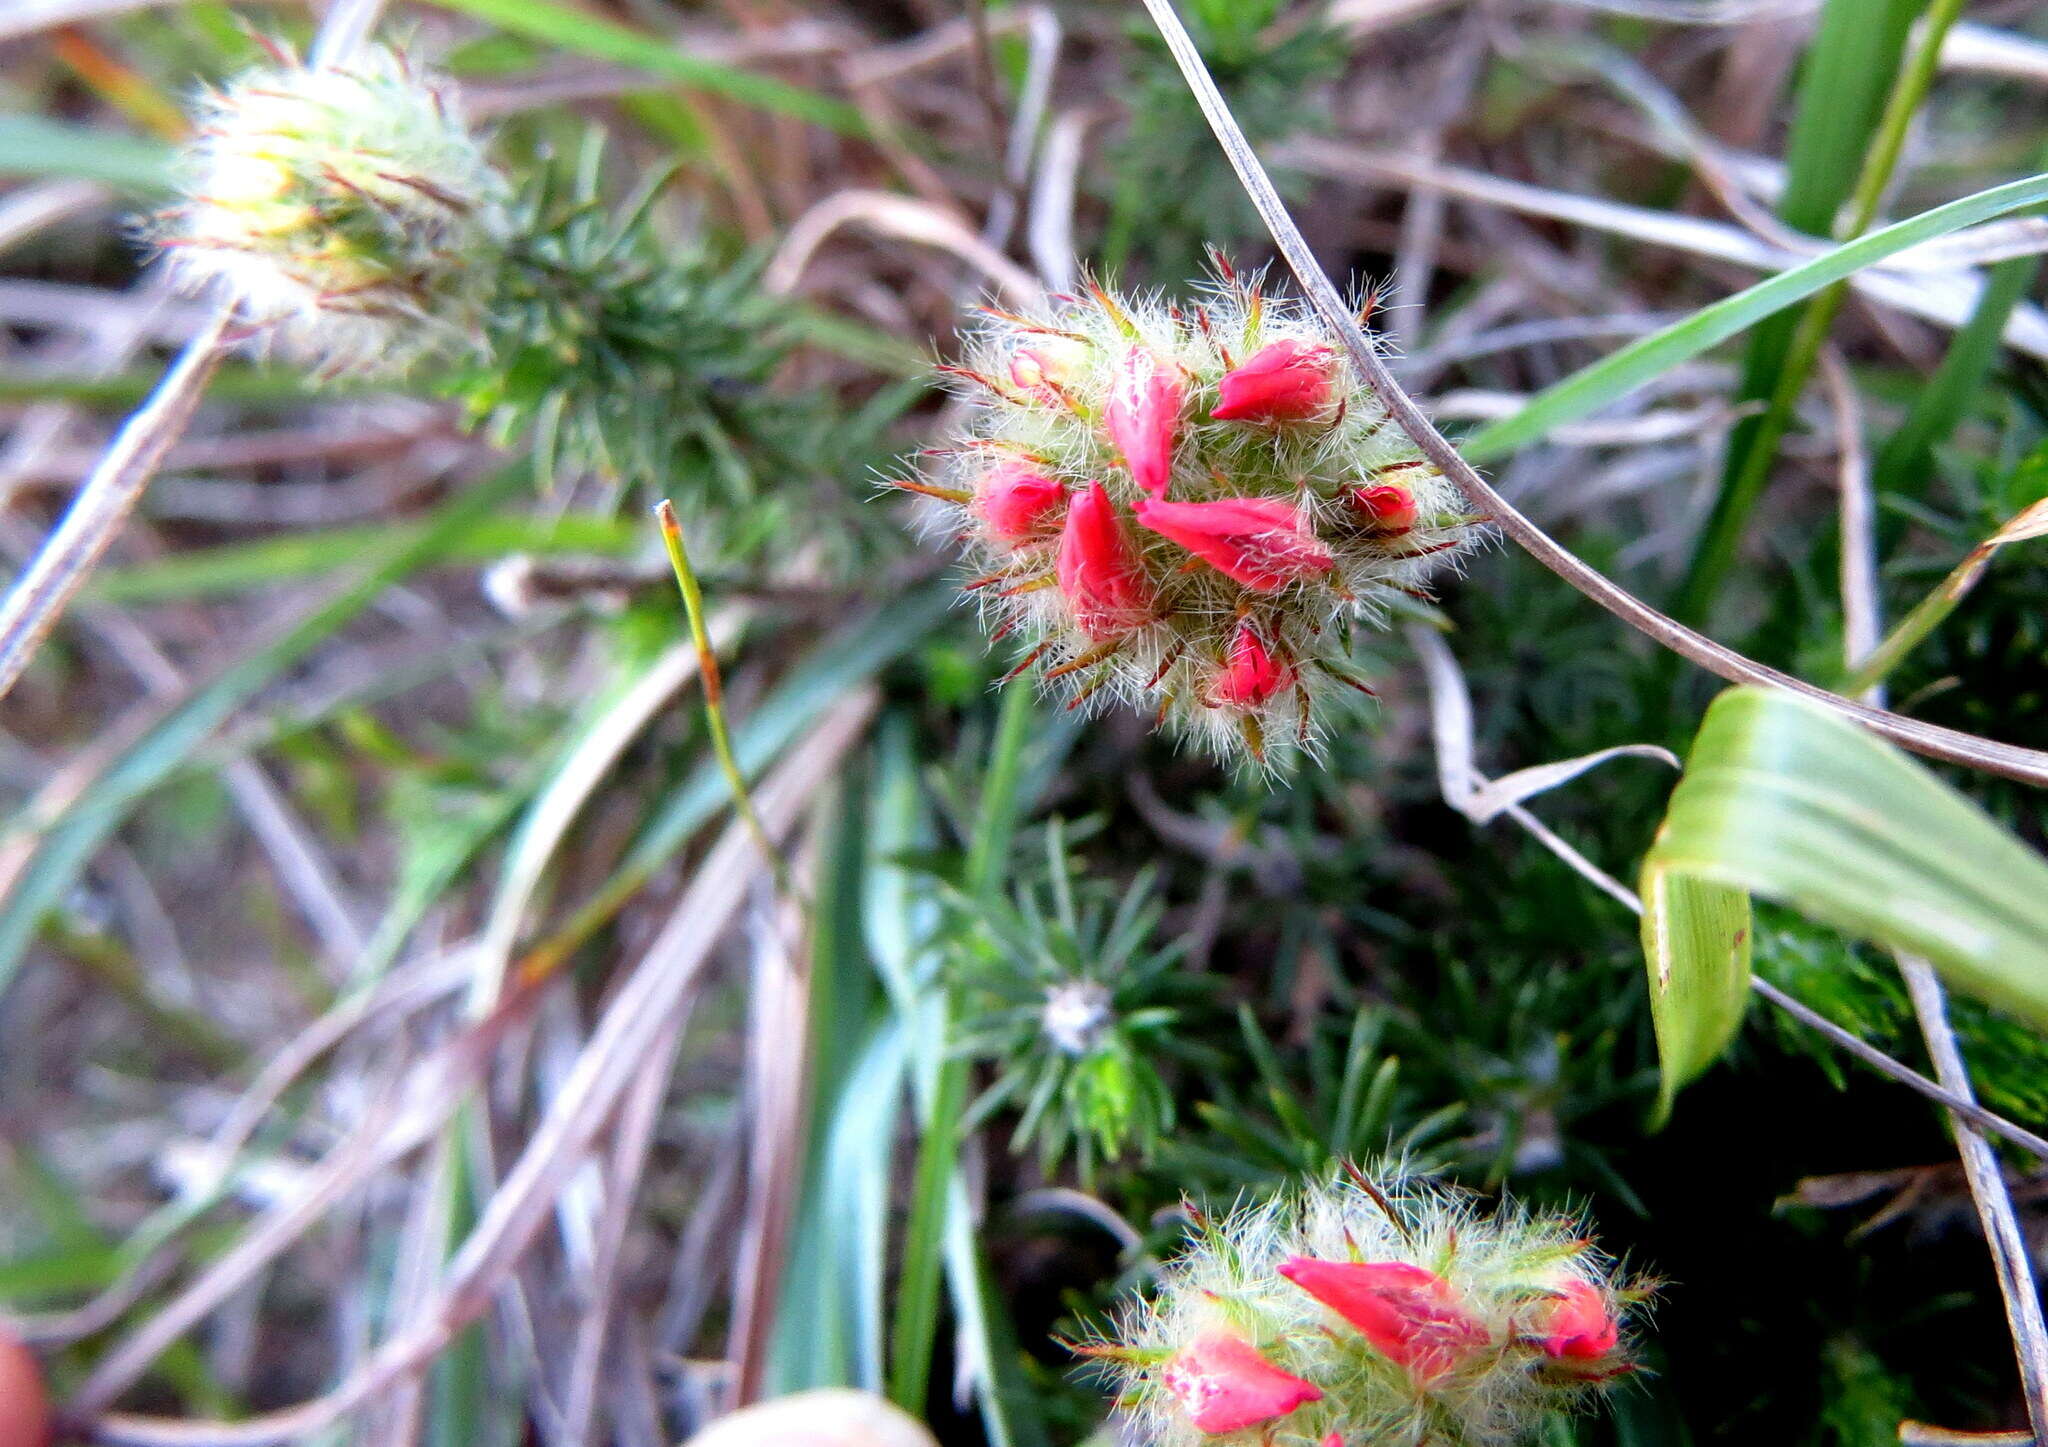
x: 1251, y: 675
x: 1285, y: 381
x: 1577, y: 1324
x: 1261, y: 542
x: 1411, y: 1316
x: 1143, y: 416
x: 1387, y: 508
x: 1225, y: 1385
x: 1018, y: 503
x: 1106, y: 587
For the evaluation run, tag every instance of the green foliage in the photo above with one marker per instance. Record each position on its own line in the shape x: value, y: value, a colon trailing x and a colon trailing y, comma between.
x: 1081, y: 1012
x: 618, y: 356
x: 1173, y: 194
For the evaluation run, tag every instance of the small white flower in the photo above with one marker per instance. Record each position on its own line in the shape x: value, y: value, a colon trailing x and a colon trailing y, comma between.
x: 1075, y: 1014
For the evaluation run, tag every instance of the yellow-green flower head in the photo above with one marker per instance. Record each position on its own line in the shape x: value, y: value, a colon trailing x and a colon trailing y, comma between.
x: 350, y: 211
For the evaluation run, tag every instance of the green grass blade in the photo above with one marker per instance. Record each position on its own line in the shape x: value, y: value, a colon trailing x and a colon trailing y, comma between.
x: 1786, y: 799
x: 1783, y: 376
x: 1593, y: 387
x: 39, y: 146
x: 587, y: 34
x: 1855, y: 53
x: 1954, y: 389
x: 71, y: 841
x: 233, y: 567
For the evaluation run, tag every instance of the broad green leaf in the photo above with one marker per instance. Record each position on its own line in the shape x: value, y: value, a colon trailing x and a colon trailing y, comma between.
x: 588, y: 34
x: 1785, y: 798
x: 1591, y: 388
x: 1696, y: 941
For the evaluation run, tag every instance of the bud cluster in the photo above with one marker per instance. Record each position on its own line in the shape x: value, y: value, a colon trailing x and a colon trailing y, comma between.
x: 348, y: 209
x: 1188, y: 507
x: 1366, y: 1312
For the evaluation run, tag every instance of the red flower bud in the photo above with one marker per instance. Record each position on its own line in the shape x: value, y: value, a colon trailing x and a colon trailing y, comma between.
x: 1251, y: 675
x: 1577, y: 1324
x: 1018, y: 503
x: 1411, y: 1316
x: 1226, y: 1386
x: 1285, y: 381
x: 1143, y: 416
x: 1386, y: 508
x: 1105, y: 585
x: 1042, y: 370
x: 1261, y: 542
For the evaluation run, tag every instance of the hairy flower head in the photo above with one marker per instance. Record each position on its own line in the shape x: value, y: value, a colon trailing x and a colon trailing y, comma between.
x: 1214, y: 502
x: 1397, y: 1309
x: 348, y: 209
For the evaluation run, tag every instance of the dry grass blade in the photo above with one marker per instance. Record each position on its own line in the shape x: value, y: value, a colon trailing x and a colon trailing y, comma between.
x: 2010, y: 1255
x: 2027, y: 765
x: 39, y: 597
x: 1929, y: 281
x: 900, y: 217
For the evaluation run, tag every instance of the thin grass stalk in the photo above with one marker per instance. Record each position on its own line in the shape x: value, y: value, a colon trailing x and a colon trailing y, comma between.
x: 104, y: 500
x: 2010, y: 1257
x: 2027, y: 765
x: 1715, y: 554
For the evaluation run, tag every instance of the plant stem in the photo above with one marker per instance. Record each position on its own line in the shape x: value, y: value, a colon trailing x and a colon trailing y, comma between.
x: 2027, y: 765
x: 714, y: 693
x: 1715, y: 554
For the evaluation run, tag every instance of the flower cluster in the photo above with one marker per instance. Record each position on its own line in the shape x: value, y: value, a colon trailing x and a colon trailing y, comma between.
x: 1366, y: 1312
x: 1188, y: 507
x: 348, y: 209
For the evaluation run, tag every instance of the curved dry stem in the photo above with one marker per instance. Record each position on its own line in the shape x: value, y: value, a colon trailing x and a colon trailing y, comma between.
x: 2027, y: 765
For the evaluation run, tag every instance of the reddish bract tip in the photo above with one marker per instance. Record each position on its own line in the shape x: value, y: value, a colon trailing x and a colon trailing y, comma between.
x: 1144, y: 416
x: 1019, y: 504
x: 1105, y: 585
x: 1225, y: 1385
x: 1284, y: 381
x: 1577, y: 1325
x: 1411, y: 1316
x: 24, y: 1401
x: 1386, y: 508
x: 1260, y: 542
x: 1251, y: 675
